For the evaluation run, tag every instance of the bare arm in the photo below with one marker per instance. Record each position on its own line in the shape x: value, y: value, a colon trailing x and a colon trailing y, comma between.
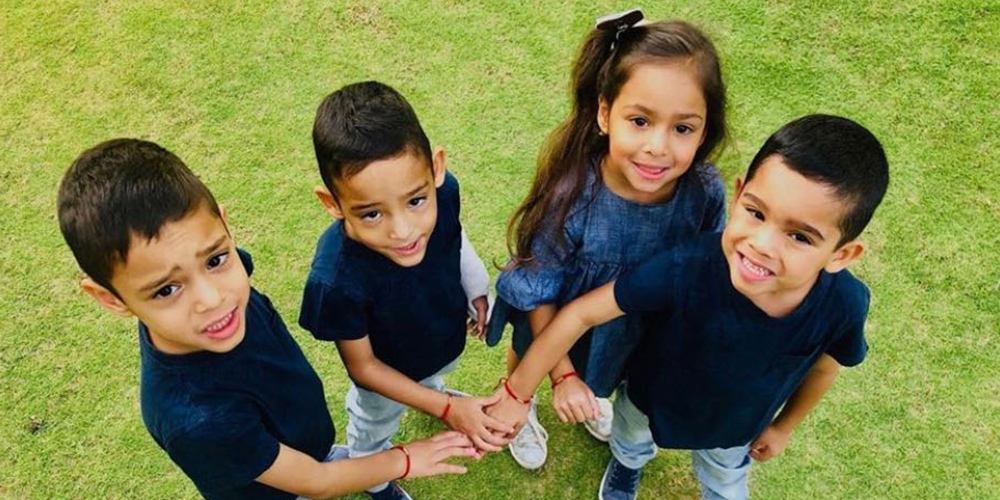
x: 571, y: 398
x: 465, y: 414
x: 774, y: 439
x: 551, y: 345
x: 297, y: 473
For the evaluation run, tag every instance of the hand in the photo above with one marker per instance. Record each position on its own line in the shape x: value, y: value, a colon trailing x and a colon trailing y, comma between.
x: 509, y: 411
x: 476, y: 326
x: 468, y: 416
x: 574, y: 401
x: 769, y: 444
x: 428, y: 456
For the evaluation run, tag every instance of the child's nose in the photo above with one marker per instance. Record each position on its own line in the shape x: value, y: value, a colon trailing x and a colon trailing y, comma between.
x: 400, y: 228
x: 656, y: 144
x: 207, y: 295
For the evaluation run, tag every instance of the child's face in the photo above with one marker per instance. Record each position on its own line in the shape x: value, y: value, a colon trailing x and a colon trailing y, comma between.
x: 187, y: 285
x: 391, y: 205
x: 783, y: 230
x: 654, y: 128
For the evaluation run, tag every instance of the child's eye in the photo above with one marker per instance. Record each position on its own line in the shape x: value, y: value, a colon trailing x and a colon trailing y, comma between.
x: 684, y: 129
x: 418, y: 201
x: 165, y: 292
x: 639, y: 121
x: 801, y: 238
x: 756, y: 214
x: 218, y: 260
x: 372, y: 216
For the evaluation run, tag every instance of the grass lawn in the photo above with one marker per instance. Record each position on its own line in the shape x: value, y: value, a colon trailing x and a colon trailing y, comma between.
x: 232, y: 89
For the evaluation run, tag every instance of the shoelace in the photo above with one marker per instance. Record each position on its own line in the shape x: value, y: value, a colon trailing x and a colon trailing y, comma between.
x: 622, y: 478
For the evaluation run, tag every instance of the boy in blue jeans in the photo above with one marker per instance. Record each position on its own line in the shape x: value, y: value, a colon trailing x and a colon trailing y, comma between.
x: 738, y: 325
x: 225, y: 390
x: 393, y: 277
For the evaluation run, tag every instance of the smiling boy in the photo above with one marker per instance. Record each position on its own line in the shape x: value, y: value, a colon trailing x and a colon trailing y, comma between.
x: 393, y: 276
x: 738, y: 325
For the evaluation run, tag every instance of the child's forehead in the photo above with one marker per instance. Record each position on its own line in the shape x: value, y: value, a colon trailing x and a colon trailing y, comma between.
x: 388, y: 178
x: 178, y: 244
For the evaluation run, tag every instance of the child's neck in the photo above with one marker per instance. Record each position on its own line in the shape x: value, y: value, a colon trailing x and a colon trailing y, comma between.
x: 781, y: 303
x: 619, y: 185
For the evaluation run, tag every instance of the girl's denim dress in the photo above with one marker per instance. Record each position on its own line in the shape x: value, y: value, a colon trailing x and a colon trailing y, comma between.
x: 604, y: 234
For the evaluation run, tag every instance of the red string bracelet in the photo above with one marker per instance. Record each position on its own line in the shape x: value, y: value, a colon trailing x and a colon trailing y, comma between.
x: 447, y: 408
x: 562, y: 378
x: 510, y: 392
x: 407, y: 453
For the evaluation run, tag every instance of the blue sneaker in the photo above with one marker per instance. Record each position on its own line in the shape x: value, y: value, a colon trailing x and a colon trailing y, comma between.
x: 391, y: 492
x: 619, y: 482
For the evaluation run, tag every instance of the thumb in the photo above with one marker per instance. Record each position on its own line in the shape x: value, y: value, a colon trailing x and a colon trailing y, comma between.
x: 491, y: 400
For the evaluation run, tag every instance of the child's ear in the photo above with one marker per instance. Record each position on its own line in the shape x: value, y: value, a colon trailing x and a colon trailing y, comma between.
x: 737, y: 189
x: 329, y: 202
x: 844, y: 256
x: 108, y: 300
x: 603, y: 112
x: 439, y: 165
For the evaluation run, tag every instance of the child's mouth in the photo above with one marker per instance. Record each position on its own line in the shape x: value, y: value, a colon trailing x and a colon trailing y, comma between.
x: 650, y: 172
x: 410, y: 249
x: 225, y: 327
x: 752, y: 271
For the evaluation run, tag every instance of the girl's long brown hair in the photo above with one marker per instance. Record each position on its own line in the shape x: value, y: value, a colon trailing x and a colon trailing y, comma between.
x: 600, y: 71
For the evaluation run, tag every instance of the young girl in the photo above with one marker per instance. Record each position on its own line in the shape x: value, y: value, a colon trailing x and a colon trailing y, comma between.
x: 624, y: 176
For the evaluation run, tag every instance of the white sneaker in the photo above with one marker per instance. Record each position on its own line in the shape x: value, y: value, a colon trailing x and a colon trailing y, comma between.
x: 530, y: 447
x: 601, y: 427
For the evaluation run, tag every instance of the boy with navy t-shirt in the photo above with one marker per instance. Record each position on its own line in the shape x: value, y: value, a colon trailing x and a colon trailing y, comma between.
x: 225, y: 390
x: 738, y: 325
x: 394, y: 276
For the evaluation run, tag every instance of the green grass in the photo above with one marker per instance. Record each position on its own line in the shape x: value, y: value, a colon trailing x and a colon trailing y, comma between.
x: 232, y: 88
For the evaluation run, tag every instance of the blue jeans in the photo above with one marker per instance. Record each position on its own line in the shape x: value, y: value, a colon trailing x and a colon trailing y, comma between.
x: 373, y: 418
x: 722, y: 472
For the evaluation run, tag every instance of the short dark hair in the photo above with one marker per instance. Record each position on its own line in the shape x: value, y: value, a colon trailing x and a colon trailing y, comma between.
x: 119, y: 188
x: 362, y: 123
x: 836, y: 152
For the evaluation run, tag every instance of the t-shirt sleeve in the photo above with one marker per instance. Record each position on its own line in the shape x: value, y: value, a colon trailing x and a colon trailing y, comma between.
x: 531, y: 284
x: 714, y: 219
x: 332, y: 312
x: 223, y: 449
x: 850, y: 347
x: 651, y: 285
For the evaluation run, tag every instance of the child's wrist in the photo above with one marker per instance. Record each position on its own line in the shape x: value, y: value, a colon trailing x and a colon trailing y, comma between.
x: 562, y: 378
x: 512, y: 393
x: 406, y: 455
x: 447, y: 409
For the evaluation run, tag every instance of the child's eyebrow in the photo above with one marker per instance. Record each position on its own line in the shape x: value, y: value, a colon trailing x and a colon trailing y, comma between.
x: 153, y: 285
x: 219, y: 243
x: 416, y: 190
x: 797, y: 224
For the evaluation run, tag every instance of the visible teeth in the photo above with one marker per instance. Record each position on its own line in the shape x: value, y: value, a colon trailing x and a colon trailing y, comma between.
x: 755, y: 269
x: 221, y: 323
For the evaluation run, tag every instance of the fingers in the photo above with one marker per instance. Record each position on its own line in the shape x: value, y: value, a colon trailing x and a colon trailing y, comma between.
x: 497, y: 425
x: 490, y: 400
x: 579, y: 412
x: 595, y: 409
x: 450, y: 437
x: 484, y: 445
x: 446, y: 468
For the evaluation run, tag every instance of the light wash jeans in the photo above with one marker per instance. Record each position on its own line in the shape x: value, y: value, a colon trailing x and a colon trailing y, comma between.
x: 373, y: 418
x: 722, y: 472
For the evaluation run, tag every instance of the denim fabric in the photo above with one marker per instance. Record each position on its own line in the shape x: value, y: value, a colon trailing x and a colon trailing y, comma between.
x: 722, y: 472
x: 603, y: 236
x: 373, y: 418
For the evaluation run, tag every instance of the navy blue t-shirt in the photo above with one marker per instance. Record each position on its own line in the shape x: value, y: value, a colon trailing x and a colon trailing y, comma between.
x: 414, y: 316
x: 220, y: 417
x: 713, y: 369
